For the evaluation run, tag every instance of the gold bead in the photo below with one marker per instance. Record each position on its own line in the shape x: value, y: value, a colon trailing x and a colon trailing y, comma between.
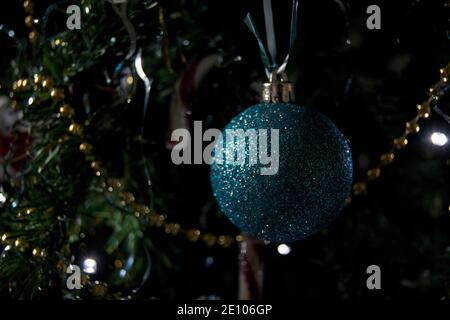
x: 32, y: 36
x: 28, y: 6
x: 225, y: 241
x: 239, y: 238
x: 172, y: 228
x: 15, y: 105
x: 47, y: 83
x: 400, y: 143
x: 114, y: 183
x: 118, y: 264
x: 75, y: 128
x: 61, y: 266
x: 127, y: 197
x: 424, y: 110
x: 57, y: 42
x: 156, y: 220
x: 4, y: 237
x: 99, y: 172
x: 141, y: 209
x: 57, y: 94
x: 99, y: 289
x: 85, y: 278
x: 37, y: 79
x: 86, y: 148
x: 387, y: 158
x: 445, y: 73
x: 29, y: 21
x: 35, y: 252
x: 63, y: 139
x: 412, y: 126
x: 193, y: 235
x: 360, y: 188
x: 20, y: 244
x: 209, y: 239
x: 96, y: 165
x: 66, y: 111
x: 373, y: 174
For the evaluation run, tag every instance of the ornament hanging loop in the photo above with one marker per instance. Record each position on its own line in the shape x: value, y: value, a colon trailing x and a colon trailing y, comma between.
x: 269, y: 57
x: 278, y: 89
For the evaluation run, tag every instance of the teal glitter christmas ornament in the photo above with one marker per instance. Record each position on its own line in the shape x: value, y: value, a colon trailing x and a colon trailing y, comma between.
x: 310, y: 165
x: 313, y: 180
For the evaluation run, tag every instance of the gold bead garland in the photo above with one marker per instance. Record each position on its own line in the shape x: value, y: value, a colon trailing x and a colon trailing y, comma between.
x: 29, y: 21
x: 359, y: 188
x: 194, y: 235
x: 114, y: 185
x: 100, y: 289
x: 411, y: 127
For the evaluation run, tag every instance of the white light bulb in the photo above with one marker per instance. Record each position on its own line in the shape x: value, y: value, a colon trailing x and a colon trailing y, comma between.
x: 284, y: 249
x: 439, y: 139
x: 90, y: 266
x: 2, y: 198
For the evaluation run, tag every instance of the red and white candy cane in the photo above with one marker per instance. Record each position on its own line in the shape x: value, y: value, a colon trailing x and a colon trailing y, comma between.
x: 251, y: 269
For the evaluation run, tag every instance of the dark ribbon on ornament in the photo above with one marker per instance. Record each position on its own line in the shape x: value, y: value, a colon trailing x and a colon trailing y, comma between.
x: 122, y: 13
x: 270, y: 61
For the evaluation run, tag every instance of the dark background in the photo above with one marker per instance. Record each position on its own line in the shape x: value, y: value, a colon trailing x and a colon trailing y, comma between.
x: 368, y: 82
